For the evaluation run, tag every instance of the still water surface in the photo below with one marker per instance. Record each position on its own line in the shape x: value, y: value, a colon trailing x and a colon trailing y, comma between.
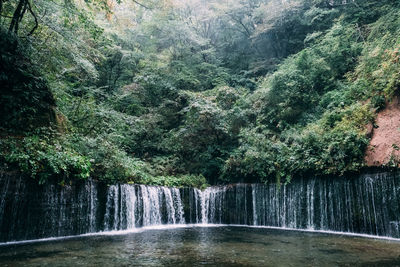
x: 212, y: 246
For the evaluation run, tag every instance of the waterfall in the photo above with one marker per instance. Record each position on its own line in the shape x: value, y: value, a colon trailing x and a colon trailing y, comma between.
x: 204, y: 204
x: 178, y: 206
x: 368, y: 204
x: 130, y: 206
x: 93, y: 205
x: 254, y: 202
x: 170, y: 205
x: 111, y: 217
x: 6, y: 182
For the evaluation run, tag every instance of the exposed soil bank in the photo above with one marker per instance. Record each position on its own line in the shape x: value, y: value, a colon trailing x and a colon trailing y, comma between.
x: 384, y: 146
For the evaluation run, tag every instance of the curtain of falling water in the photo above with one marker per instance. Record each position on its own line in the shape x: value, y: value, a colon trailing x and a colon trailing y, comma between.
x: 367, y: 204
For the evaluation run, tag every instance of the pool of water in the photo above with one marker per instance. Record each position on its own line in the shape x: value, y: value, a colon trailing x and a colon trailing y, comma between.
x: 198, y: 246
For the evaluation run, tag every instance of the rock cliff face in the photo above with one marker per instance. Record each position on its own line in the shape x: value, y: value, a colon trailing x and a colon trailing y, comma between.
x: 384, y: 147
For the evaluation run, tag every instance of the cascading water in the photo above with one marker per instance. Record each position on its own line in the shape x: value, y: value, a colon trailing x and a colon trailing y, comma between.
x: 368, y: 204
x: 178, y: 206
x: 156, y: 205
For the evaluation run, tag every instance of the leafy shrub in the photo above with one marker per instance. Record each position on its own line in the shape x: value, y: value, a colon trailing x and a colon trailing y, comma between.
x: 43, y: 157
x: 109, y: 163
x: 378, y: 102
x: 333, y: 145
x: 185, y: 180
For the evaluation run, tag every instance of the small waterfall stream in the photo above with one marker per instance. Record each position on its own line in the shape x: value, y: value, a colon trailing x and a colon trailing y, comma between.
x: 368, y: 204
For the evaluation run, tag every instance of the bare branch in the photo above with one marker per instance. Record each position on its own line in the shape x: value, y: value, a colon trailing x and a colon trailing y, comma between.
x: 23, y: 10
x: 34, y: 16
x: 140, y: 4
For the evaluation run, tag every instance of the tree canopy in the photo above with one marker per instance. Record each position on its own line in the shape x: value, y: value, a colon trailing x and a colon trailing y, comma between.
x: 180, y: 92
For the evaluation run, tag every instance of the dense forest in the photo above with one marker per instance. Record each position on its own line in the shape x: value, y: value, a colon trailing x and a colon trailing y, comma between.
x: 188, y: 93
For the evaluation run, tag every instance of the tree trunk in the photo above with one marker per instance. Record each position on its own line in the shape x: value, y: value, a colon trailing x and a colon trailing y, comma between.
x: 17, y: 16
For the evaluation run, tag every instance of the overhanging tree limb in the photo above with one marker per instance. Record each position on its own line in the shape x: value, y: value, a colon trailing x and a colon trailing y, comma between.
x: 34, y: 17
x: 140, y: 4
x: 23, y: 10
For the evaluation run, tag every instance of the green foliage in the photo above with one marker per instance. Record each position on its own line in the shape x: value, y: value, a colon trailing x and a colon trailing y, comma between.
x: 43, y: 156
x: 177, y: 181
x: 202, y: 137
x: 26, y: 101
x: 378, y: 102
x: 179, y: 93
x: 109, y: 163
x: 333, y: 145
x: 301, y: 81
x: 378, y: 68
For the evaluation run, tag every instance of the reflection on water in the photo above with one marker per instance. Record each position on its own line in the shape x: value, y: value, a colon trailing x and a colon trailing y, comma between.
x: 215, y: 246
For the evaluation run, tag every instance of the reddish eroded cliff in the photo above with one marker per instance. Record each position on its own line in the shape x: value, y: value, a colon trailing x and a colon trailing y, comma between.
x: 385, y: 142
